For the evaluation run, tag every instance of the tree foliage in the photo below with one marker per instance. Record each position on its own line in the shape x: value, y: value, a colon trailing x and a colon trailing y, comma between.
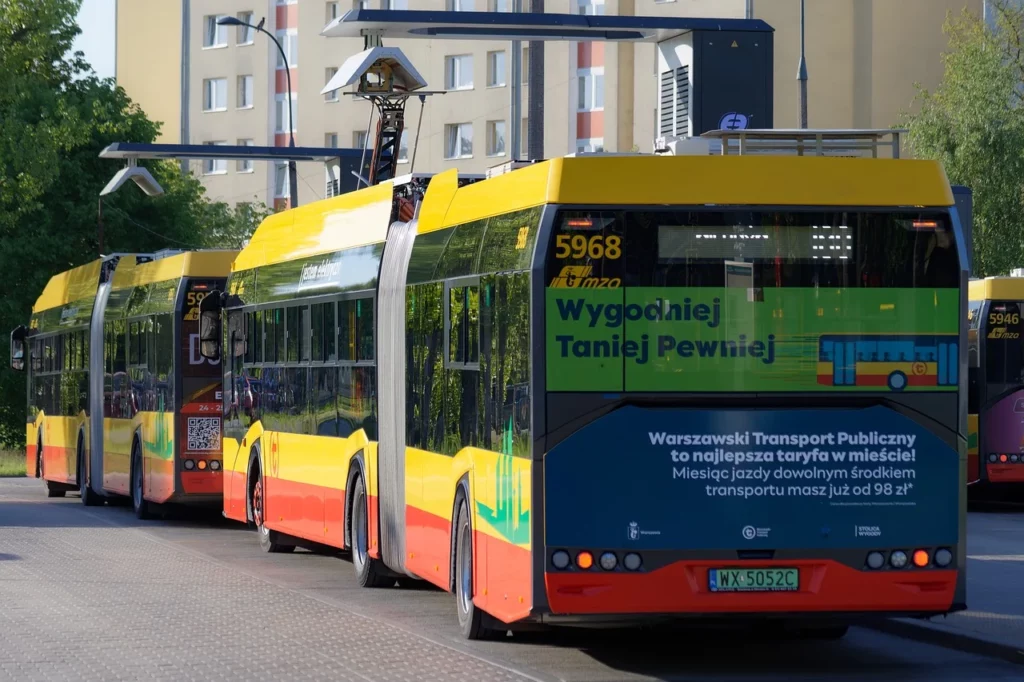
x: 55, y: 118
x: 973, y: 122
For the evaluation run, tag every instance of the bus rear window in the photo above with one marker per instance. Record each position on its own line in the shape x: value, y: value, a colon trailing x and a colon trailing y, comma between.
x: 1003, y: 354
x: 714, y: 248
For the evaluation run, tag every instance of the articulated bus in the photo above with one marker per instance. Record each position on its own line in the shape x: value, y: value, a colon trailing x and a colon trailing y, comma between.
x: 120, y: 401
x: 589, y: 390
x: 996, y: 372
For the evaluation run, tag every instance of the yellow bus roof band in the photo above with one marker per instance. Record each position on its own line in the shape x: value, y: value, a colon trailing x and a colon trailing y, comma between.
x: 700, y: 180
x: 996, y: 289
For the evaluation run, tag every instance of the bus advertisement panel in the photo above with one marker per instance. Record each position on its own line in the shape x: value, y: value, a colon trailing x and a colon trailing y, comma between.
x: 735, y: 399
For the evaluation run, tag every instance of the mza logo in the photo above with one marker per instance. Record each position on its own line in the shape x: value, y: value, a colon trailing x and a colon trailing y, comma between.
x: 734, y: 121
x: 578, y: 277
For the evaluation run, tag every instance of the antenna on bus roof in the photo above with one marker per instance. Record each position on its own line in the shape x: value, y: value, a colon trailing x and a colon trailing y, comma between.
x: 385, y: 77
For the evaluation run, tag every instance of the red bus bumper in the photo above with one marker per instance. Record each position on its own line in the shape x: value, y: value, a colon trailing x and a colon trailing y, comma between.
x: 682, y: 588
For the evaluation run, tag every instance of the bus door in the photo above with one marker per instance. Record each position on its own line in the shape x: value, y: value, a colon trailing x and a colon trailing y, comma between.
x: 1001, y: 404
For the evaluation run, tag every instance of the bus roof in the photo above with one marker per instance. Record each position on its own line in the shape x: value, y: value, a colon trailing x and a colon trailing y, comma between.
x: 206, y: 263
x: 362, y: 217
x: 68, y: 286
x: 996, y: 288
x: 691, y: 180
x: 345, y: 221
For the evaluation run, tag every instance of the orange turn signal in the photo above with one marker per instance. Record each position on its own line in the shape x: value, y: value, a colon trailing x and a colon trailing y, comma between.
x: 202, y: 464
x: 584, y: 560
x: 920, y: 558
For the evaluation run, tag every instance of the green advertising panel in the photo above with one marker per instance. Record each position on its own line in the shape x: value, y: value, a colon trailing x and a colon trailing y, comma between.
x: 740, y: 339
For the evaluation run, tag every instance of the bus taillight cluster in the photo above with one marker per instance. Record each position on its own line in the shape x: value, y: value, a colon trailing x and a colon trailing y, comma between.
x: 919, y: 558
x: 1005, y: 458
x: 584, y: 561
x: 202, y: 465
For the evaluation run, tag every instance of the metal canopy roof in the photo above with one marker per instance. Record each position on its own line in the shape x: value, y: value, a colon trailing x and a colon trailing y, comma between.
x: 410, y: 24
x: 134, y: 150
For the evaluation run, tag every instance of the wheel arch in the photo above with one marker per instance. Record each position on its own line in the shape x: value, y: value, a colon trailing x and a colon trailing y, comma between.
x: 462, y: 493
x: 255, y: 461
x: 356, y: 469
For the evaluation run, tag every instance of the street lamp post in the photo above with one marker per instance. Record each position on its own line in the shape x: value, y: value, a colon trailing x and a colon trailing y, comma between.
x: 293, y: 176
x: 801, y: 72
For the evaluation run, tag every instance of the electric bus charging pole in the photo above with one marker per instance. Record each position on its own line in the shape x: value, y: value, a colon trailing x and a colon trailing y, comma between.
x: 516, y: 93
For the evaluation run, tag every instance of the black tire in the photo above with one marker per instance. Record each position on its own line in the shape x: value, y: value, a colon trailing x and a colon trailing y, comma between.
x: 471, y: 619
x: 39, y: 458
x: 831, y: 632
x: 138, y: 490
x: 370, y: 572
x: 270, y: 540
x: 89, y: 498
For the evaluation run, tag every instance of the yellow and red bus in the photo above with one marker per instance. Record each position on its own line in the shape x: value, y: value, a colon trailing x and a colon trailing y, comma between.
x: 544, y: 392
x: 996, y: 371
x: 121, y: 403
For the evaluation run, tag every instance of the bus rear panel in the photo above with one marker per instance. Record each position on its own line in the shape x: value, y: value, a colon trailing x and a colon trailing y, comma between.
x: 751, y: 410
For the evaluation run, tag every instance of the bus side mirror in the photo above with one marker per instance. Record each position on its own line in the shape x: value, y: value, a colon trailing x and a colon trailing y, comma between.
x: 209, y: 326
x: 18, y: 349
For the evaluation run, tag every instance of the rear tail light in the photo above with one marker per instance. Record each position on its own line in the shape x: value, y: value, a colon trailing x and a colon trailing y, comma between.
x: 921, y: 558
x: 943, y: 558
x: 898, y: 559
x: 609, y: 561
x: 632, y: 561
x: 189, y: 465
x: 585, y: 560
x: 214, y: 465
x: 875, y: 560
x: 560, y: 560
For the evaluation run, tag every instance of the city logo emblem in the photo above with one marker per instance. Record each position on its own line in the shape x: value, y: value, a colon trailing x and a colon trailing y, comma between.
x: 749, y: 533
x: 634, y: 530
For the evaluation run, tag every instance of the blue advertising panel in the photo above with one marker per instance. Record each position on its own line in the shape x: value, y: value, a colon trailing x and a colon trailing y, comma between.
x: 671, y: 478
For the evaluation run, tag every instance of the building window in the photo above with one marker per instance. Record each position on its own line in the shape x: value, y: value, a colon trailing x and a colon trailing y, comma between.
x: 244, y: 165
x: 215, y: 166
x: 458, y: 71
x: 333, y: 11
x: 285, y: 116
x: 524, y: 139
x: 458, y: 140
x: 245, y: 92
x: 289, y: 40
x: 331, y: 140
x: 397, y: 4
x: 497, y: 5
x: 590, y: 7
x: 496, y: 69
x: 593, y: 145
x: 526, y: 65
x: 331, y: 96
x: 281, y: 180
x: 590, y: 89
x: 214, y: 34
x: 495, y: 138
x: 460, y: 5
x: 359, y: 139
x: 403, y: 148
x: 246, y: 34
x: 215, y: 94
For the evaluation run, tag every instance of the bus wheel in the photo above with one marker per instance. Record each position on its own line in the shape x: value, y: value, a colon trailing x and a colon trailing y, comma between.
x: 369, y: 571
x: 269, y: 539
x: 897, y: 381
x: 139, y: 503
x: 471, y: 619
x: 89, y: 498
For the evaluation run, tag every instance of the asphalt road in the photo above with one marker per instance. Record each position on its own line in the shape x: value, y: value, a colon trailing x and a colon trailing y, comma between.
x: 94, y: 594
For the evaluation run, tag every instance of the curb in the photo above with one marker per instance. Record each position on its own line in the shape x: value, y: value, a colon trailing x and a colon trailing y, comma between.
x: 949, y: 638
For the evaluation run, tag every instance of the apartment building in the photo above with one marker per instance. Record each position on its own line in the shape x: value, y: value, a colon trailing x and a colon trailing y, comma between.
x: 211, y: 84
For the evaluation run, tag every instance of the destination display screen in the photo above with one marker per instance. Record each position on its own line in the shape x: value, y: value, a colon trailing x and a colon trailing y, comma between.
x: 806, y: 242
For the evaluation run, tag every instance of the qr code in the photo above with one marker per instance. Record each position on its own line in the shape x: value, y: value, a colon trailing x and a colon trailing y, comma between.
x: 204, y: 434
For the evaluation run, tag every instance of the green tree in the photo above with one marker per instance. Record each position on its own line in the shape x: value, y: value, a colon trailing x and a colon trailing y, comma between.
x: 55, y: 118
x: 973, y: 122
